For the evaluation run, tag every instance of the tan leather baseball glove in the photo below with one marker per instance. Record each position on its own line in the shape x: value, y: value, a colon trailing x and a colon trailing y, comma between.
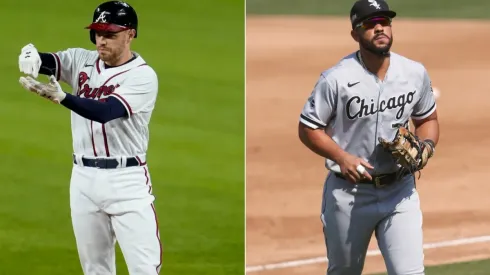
x: 408, y: 151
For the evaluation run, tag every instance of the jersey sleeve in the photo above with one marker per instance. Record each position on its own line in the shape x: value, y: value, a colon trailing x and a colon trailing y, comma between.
x: 320, y: 106
x: 67, y: 64
x: 426, y: 104
x: 138, y: 93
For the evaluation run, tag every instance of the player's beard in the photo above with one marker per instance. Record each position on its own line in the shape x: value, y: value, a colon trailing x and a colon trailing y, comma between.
x: 372, y: 48
x: 110, y: 56
x: 106, y: 55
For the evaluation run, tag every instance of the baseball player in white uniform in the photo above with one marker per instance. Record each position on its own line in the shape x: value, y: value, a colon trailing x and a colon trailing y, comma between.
x: 368, y: 95
x: 113, y: 96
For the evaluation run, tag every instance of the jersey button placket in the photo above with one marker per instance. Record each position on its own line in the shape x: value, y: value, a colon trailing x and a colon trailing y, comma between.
x: 378, y: 96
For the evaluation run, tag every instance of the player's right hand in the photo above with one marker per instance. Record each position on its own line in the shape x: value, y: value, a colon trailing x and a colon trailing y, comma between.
x: 348, y: 167
x: 29, y: 60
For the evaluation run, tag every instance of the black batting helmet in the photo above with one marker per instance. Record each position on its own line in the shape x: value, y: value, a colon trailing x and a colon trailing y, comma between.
x: 113, y: 16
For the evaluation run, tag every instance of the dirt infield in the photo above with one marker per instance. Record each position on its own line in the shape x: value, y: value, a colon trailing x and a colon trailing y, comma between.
x: 285, y: 56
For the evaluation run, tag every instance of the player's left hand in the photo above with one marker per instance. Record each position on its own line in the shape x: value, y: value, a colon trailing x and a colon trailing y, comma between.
x: 408, y: 150
x: 51, y: 90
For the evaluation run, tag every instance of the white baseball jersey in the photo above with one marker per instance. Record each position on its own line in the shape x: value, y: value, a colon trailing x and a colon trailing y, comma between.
x: 135, y: 84
x: 356, y: 108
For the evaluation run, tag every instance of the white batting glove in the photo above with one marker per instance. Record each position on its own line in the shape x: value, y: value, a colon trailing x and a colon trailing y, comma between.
x: 29, y: 60
x: 51, y: 90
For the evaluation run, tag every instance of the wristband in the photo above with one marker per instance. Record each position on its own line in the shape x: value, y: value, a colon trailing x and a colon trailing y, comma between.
x: 432, y: 145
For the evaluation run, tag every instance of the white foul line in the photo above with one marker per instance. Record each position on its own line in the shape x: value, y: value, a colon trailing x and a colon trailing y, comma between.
x: 317, y: 260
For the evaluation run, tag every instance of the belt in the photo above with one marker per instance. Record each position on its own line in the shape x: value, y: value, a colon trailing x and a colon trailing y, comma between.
x: 105, y: 163
x: 380, y: 181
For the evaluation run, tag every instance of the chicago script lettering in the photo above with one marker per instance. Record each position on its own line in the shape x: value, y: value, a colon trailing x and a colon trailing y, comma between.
x: 369, y: 109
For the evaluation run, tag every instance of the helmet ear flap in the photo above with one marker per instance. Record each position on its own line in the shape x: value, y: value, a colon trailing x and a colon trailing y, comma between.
x: 92, y: 36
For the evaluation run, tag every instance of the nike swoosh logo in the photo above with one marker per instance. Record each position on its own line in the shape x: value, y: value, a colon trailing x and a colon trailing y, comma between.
x: 352, y: 84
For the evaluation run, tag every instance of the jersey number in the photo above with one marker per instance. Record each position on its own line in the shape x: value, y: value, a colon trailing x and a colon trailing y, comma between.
x: 398, y: 125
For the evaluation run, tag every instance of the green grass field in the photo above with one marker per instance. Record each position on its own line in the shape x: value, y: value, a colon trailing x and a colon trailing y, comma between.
x: 412, y: 8
x: 196, y: 155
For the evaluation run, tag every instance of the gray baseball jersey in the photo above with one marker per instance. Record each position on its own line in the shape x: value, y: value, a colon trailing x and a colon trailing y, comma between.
x: 356, y: 108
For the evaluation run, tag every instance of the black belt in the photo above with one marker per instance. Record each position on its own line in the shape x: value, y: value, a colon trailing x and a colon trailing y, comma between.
x: 380, y: 180
x: 107, y: 163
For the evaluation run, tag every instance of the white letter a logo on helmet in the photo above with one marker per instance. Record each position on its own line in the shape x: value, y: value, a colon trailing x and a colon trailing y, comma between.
x: 101, y: 18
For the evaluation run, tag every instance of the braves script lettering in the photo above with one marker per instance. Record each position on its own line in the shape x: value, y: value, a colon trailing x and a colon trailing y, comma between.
x: 364, y: 109
x: 94, y: 93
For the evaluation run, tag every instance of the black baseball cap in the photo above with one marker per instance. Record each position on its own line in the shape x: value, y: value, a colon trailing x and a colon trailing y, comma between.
x: 364, y: 9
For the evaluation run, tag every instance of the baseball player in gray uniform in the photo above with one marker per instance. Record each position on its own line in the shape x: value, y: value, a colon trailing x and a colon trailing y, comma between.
x: 368, y: 95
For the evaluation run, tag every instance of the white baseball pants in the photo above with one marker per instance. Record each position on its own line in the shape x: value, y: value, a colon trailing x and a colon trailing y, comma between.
x: 115, y: 204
